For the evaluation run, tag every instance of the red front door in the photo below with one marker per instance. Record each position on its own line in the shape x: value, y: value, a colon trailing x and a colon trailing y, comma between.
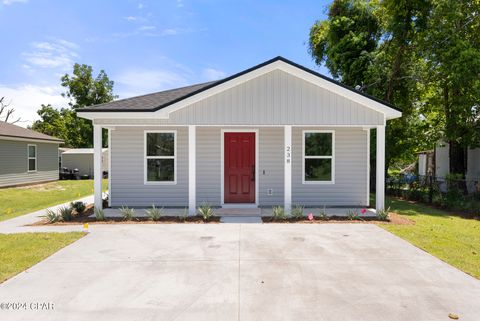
x: 239, y: 168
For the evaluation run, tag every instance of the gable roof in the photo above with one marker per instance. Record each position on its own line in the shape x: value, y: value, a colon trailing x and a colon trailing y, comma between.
x: 13, y: 131
x: 160, y: 100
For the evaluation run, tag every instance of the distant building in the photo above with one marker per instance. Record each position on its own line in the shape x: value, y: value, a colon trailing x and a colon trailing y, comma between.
x: 82, y: 159
x: 27, y: 156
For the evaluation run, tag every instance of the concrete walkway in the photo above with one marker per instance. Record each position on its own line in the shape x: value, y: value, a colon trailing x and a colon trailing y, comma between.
x: 17, y: 224
x: 241, y: 272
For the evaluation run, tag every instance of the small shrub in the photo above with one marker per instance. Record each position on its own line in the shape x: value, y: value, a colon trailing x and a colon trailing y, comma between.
x: 382, y: 214
x: 352, y: 215
x: 127, y: 213
x: 297, y: 211
x: 52, y: 216
x: 323, y: 214
x: 278, y: 213
x: 79, y: 207
x: 206, y: 211
x: 66, y: 212
x: 154, y: 213
x: 184, y: 216
x: 99, y: 214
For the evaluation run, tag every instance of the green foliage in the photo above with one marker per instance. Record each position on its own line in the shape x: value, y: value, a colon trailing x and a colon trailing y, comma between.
x: 99, y: 214
x: 78, y: 206
x: 127, y: 213
x: 278, y: 213
x: 52, y: 216
x: 184, y: 216
x: 154, y: 213
x: 82, y: 89
x: 206, y: 211
x: 421, y: 56
x: 66, y: 213
x: 382, y: 214
x: 322, y: 215
x: 352, y: 214
x: 297, y: 211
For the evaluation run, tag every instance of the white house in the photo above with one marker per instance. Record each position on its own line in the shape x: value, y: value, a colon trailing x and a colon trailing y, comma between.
x: 275, y: 134
x: 82, y: 159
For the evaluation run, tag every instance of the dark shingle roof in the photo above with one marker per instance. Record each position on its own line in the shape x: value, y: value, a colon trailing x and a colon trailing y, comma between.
x: 9, y: 130
x: 159, y: 100
x: 149, y: 102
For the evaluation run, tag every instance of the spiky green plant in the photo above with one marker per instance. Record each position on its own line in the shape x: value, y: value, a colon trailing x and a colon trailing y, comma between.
x: 127, y: 213
x: 154, y: 213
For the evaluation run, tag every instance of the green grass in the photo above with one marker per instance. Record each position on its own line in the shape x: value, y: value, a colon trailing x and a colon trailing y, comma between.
x: 17, y: 201
x: 18, y: 252
x: 451, y: 238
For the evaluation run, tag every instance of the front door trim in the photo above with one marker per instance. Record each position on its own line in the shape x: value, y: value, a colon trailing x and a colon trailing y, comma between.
x: 222, y: 165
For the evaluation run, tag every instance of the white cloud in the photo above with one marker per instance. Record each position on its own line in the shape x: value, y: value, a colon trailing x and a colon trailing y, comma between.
x: 213, y: 74
x: 58, y: 53
x: 134, y: 82
x: 180, y: 3
x: 10, y: 2
x: 26, y: 100
x: 131, y: 18
x: 145, y: 28
x: 140, y: 6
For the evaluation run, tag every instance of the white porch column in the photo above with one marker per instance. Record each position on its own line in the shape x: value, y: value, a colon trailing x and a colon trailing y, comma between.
x: 192, y: 170
x: 288, y: 168
x: 97, y: 165
x: 380, y: 190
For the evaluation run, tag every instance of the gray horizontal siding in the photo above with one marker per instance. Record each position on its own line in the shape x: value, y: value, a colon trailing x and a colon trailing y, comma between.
x: 271, y: 168
x: 14, y: 163
x: 350, y: 187
x: 208, y: 165
x: 127, y: 172
x: 128, y: 188
x: 276, y: 98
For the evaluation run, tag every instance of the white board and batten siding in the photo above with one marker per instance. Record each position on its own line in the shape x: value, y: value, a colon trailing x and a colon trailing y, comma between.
x: 276, y: 98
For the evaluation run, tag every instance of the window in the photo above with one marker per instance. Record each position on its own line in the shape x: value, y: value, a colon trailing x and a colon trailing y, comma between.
x: 160, y: 157
x: 32, y: 158
x: 318, y: 157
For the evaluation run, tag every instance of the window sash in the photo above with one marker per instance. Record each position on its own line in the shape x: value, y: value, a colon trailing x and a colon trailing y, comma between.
x: 29, y: 158
x: 330, y: 157
x: 173, y: 157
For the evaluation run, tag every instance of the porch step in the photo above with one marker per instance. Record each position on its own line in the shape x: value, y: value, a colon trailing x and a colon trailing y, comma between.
x: 238, y: 212
x: 241, y: 219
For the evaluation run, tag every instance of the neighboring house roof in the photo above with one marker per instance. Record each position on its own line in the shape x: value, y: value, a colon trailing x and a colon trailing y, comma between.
x: 13, y: 131
x: 82, y: 151
x: 160, y: 100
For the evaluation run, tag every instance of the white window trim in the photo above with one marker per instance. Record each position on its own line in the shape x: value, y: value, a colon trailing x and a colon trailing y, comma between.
x: 332, y: 181
x: 145, y: 157
x: 29, y: 158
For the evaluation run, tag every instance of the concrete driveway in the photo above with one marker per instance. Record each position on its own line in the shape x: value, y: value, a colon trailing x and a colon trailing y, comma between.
x: 242, y: 272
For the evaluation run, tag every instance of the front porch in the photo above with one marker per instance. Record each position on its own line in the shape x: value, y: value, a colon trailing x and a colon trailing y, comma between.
x: 279, y: 169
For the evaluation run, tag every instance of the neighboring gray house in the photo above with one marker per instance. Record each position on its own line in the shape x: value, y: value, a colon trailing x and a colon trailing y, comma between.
x: 82, y: 159
x: 26, y: 156
x: 275, y: 134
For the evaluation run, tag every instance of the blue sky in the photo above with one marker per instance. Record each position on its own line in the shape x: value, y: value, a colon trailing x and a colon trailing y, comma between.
x: 144, y: 46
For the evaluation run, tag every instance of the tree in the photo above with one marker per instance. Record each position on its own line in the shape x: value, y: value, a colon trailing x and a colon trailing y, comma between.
x: 6, y: 113
x: 82, y: 89
x: 451, y: 48
x: 370, y: 45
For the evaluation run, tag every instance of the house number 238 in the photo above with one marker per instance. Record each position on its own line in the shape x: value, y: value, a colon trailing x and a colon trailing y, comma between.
x: 288, y: 154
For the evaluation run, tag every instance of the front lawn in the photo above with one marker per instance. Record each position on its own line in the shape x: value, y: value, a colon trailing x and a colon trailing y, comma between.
x: 451, y: 238
x: 18, y: 252
x: 16, y: 201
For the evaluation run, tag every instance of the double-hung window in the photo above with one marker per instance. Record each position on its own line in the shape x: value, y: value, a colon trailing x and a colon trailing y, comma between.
x: 318, y: 157
x: 32, y: 158
x: 160, y: 157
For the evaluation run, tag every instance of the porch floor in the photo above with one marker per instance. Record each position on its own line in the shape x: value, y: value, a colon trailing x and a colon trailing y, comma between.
x: 247, y: 212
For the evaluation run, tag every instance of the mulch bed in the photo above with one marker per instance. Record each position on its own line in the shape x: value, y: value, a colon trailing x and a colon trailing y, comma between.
x: 393, y: 219
x: 84, y: 218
